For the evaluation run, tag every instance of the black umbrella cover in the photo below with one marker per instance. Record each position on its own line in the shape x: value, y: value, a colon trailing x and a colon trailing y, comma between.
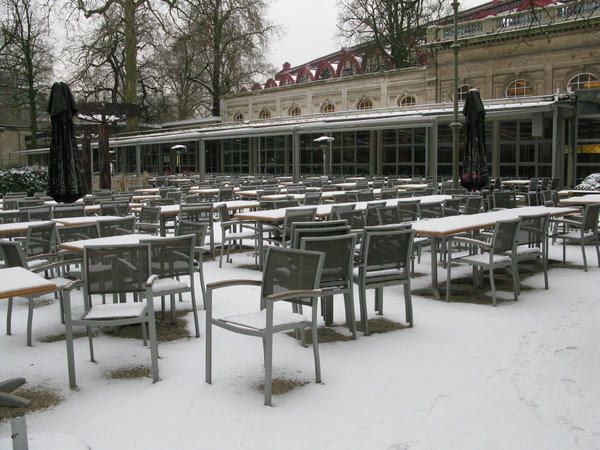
x: 66, y: 182
x: 474, y: 172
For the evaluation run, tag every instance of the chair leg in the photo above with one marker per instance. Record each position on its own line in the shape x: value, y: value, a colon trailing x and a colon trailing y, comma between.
x: 315, y: 341
x: 30, y: 323
x: 493, y: 285
x: 9, y: 317
x: 268, y: 351
x: 379, y: 300
x: 91, y: 343
x: 585, y: 267
x: 328, y: 309
x: 173, y: 310
x: 153, y: 348
x: 408, y: 304
x: 195, y: 312
x: 350, y: 314
x: 364, y: 319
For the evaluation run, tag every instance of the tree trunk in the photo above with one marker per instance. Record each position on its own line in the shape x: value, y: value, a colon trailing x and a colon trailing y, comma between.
x: 131, y: 75
x: 104, y: 157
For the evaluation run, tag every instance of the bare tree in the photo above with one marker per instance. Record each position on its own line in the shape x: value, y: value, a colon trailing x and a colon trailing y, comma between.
x: 234, y: 36
x: 391, y: 28
x: 26, y: 58
x: 128, y: 11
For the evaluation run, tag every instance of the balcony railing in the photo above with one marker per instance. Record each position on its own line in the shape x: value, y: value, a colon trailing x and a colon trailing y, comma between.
x: 505, y: 22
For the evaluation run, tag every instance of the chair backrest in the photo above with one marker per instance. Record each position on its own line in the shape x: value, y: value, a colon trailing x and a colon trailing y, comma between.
x: 590, y: 217
x: 70, y: 210
x: 297, y: 215
x: 456, y: 191
x: 341, y: 208
x: 473, y: 204
x: 199, y: 229
x: 534, y: 230
x: 287, y: 203
x: 224, y: 215
x: 371, y: 216
x: 13, y: 216
x: 452, y: 206
x: 365, y: 196
x: 40, y: 238
x: 355, y: 218
x: 533, y: 184
x: 312, y: 198
x: 504, y: 199
x: 409, y: 210
x: 13, y: 254
x: 544, y: 184
x: 554, y: 184
x: 28, y: 202
x: 115, y: 269
x: 173, y: 256
x: 505, y: 235
x: 175, y: 195
x: 339, y: 256
x: 111, y: 208
x: 387, y: 247
x: 77, y: 232
x: 197, y: 212
x: 387, y: 193
x: 38, y: 213
x: 117, y: 226
x: 288, y: 269
x: 388, y: 215
x: 532, y: 198
x: 191, y: 198
x: 299, y: 233
x: 226, y: 193
x: 431, y: 210
x: 149, y: 214
x: 161, y: 201
x: 341, y: 197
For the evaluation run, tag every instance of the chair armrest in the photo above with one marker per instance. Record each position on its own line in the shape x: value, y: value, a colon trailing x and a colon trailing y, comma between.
x: 293, y: 294
x: 227, y: 283
x: 72, y: 285
x: 470, y: 241
x: 151, y: 280
x: 56, y: 264
x: 575, y: 223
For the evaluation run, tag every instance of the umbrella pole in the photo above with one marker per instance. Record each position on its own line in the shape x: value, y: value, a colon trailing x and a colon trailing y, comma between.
x: 455, y: 125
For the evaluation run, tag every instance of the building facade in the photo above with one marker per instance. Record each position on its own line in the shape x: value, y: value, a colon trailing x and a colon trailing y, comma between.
x: 538, y: 72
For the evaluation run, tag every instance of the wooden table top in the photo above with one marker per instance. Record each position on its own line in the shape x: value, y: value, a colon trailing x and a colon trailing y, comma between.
x: 18, y: 281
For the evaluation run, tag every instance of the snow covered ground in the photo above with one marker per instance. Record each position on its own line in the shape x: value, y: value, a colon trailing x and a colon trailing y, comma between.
x: 520, y: 376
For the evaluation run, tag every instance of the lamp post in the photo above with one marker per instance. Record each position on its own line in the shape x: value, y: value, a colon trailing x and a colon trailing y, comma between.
x: 455, y: 125
x: 327, y: 167
x: 179, y: 148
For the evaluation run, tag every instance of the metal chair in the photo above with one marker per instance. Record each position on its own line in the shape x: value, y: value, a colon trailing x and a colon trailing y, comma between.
x: 149, y: 220
x: 312, y: 198
x: 282, y: 234
x: 387, y: 193
x: 39, y: 244
x: 385, y: 257
x: 452, y: 206
x: 473, y: 204
x: 355, y: 218
x: 340, y: 208
x: 319, y: 228
x: 336, y: 277
x: 388, y: 215
x: 117, y: 226
x: 200, y: 212
x: 230, y: 235
x: 499, y: 253
x: 409, y: 210
x: 128, y: 277
x: 371, y: 216
x: 172, y: 258
x: 431, y: 210
x: 38, y: 213
x: 69, y: 210
x: 582, y: 232
x: 14, y: 256
x: 504, y: 199
x: 532, y: 241
x: 290, y: 275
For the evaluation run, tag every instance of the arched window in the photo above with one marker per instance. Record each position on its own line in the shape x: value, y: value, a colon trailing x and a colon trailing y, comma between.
x: 328, y: 108
x: 286, y: 81
x: 519, y: 88
x: 265, y: 114
x: 325, y: 73
x: 303, y: 78
x: 408, y: 100
x: 583, y: 81
x: 295, y: 111
x: 238, y: 117
x: 365, y: 103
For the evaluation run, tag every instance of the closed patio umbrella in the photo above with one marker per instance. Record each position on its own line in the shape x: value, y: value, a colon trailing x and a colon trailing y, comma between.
x: 474, y: 171
x: 66, y: 181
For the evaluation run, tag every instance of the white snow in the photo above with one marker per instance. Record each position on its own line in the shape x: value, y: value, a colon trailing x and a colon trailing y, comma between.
x: 520, y: 376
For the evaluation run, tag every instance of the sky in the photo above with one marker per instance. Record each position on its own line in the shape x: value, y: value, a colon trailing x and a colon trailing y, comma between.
x: 309, y: 29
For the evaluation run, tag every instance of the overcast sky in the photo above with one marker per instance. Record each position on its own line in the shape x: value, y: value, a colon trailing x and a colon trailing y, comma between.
x: 310, y: 29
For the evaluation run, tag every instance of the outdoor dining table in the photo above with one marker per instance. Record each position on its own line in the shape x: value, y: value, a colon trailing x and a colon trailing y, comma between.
x: 16, y: 282
x: 16, y: 228
x: 444, y: 227
x: 581, y: 200
x: 277, y: 216
x: 575, y: 192
x: 167, y: 211
x: 83, y: 220
x: 79, y: 246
